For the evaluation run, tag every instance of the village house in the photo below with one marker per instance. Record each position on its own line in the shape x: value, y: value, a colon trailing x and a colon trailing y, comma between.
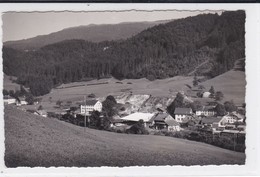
x: 210, y: 121
x: 206, y: 111
x: 231, y: 118
x: 206, y: 94
x: 163, y: 120
x: 89, y: 106
x: 182, y: 113
x: 21, y: 101
x: 9, y: 100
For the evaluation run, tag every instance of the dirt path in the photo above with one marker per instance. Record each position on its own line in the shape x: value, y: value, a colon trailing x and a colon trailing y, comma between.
x: 205, y: 62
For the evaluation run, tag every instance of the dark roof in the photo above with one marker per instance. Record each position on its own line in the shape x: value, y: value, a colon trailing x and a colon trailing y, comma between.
x: 171, y: 122
x: 159, y: 117
x: 207, y: 108
x: 22, y: 98
x: 210, y: 120
x: 8, y: 97
x: 183, y: 111
x: 117, y: 121
x: 91, y: 102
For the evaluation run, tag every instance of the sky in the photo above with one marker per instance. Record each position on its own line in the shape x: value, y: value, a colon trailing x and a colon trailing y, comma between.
x: 23, y: 25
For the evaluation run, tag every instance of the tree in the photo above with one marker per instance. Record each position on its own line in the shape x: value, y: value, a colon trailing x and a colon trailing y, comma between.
x: 196, y: 105
x: 137, y: 128
x: 201, y: 87
x: 5, y: 92
x: 23, y: 92
x: 58, y: 103
x: 212, y: 92
x: 112, y: 99
x: 92, y: 95
x: 219, y: 96
x: 40, y: 107
x: 199, y: 94
x: 108, y: 106
x: 11, y: 93
x: 95, y: 119
x: 195, y: 81
x: 29, y: 98
x: 220, y: 109
x: 230, y: 106
x: 177, y: 102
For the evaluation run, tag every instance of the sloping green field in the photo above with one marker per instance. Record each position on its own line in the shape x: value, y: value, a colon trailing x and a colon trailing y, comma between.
x: 231, y: 83
x: 9, y: 84
x: 32, y: 140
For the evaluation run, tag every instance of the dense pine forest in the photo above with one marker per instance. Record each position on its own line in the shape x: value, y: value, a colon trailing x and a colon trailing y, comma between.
x: 162, y: 51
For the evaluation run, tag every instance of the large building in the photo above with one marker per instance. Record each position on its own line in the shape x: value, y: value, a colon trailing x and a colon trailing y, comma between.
x: 182, y: 113
x: 9, y: 100
x: 206, y: 111
x: 89, y: 106
x: 163, y: 120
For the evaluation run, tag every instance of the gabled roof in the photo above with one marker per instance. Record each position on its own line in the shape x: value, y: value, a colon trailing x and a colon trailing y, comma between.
x: 160, y: 116
x: 210, y: 120
x: 21, y: 98
x: 207, y: 108
x: 185, y: 111
x: 239, y: 116
x: 171, y: 122
x: 90, y: 102
x: 8, y: 97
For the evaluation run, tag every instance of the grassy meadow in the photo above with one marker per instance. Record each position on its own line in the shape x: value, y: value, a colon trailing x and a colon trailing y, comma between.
x: 32, y: 141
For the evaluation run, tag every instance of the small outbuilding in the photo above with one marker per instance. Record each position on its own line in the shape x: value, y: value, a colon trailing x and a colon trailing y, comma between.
x: 206, y: 94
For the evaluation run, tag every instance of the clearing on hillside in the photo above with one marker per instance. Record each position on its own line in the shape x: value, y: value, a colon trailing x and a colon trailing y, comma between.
x: 32, y: 141
x: 231, y: 83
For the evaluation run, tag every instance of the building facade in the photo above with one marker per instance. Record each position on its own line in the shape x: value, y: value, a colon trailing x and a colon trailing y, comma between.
x: 90, y: 106
x: 182, y: 113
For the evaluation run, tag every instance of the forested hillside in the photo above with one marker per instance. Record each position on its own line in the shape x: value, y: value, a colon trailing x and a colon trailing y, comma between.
x: 93, y: 33
x: 166, y: 50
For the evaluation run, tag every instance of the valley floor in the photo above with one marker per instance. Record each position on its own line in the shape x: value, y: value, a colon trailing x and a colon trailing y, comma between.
x: 32, y: 141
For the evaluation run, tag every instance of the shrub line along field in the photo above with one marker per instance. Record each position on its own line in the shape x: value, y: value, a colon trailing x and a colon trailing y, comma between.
x: 36, y: 141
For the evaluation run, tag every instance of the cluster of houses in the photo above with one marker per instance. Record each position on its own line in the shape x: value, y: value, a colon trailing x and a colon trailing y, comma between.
x: 11, y: 100
x: 161, y: 120
x: 183, y: 117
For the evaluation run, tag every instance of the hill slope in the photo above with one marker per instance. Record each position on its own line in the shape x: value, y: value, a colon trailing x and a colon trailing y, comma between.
x: 93, y: 33
x: 32, y: 140
x: 232, y: 84
x: 163, y: 51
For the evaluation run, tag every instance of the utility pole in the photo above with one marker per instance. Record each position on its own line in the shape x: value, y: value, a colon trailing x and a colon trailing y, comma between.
x: 85, y: 114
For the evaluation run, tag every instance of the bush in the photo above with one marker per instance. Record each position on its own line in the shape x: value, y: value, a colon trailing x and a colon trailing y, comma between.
x: 151, y: 77
x: 92, y: 95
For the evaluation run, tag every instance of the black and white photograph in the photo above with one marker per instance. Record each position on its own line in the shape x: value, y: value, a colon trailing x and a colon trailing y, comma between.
x: 124, y: 88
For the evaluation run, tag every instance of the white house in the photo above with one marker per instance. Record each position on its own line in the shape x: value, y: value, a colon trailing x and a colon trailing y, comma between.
x: 90, y: 106
x: 231, y: 118
x: 206, y: 111
x: 21, y: 101
x: 182, y: 113
x: 206, y: 94
x: 9, y: 100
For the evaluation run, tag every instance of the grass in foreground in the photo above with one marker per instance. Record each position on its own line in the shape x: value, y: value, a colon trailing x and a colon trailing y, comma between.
x: 32, y: 141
